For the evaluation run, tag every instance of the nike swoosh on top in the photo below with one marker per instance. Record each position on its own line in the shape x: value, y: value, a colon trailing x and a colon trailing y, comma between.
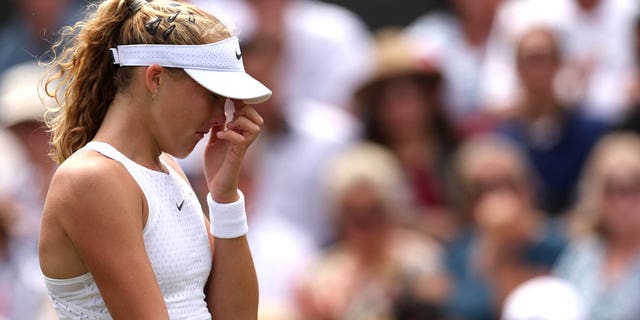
x: 238, y: 54
x: 179, y: 206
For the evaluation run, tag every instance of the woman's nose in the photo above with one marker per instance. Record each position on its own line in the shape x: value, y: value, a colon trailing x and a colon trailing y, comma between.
x: 218, y: 116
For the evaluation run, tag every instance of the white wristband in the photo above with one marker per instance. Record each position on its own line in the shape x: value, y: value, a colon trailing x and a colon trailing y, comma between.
x: 228, y: 220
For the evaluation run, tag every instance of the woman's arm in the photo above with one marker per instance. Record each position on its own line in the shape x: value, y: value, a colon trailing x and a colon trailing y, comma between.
x: 102, y: 212
x: 232, y: 292
x: 233, y: 287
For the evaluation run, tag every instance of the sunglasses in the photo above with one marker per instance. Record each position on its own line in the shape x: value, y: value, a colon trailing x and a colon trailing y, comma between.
x: 480, y: 188
x: 627, y: 186
x: 366, y: 218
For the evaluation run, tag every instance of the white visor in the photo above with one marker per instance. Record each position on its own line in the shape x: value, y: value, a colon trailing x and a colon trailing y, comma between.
x: 216, y: 66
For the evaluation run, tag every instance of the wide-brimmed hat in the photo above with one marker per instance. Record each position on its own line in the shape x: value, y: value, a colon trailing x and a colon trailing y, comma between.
x: 21, y: 96
x: 216, y: 66
x: 397, y: 54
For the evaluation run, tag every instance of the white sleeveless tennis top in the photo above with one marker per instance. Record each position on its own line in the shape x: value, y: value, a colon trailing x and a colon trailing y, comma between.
x: 176, y: 241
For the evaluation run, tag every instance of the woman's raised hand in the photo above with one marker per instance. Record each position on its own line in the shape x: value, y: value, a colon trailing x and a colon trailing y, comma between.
x: 225, y: 151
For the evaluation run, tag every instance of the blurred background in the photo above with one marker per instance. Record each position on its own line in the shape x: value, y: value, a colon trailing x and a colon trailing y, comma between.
x: 460, y: 159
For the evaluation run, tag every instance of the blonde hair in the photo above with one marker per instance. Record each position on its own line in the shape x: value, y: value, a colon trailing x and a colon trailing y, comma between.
x: 613, y: 151
x: 83, y: 79
x: 488, y: 150
x: 373, y: 164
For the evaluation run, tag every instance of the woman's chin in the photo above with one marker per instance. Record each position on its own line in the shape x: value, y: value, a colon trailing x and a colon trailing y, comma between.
x: 182, y: 152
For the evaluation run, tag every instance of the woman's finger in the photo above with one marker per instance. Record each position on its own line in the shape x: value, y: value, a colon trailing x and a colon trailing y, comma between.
x: 213, y: 139
x: 243, y: 124
x: 232, y: 136
x: 251, y: 114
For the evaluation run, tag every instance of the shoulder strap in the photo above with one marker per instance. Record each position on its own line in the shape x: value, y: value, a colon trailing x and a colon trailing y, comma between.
x: 134, y: 170
x: 108, y: 151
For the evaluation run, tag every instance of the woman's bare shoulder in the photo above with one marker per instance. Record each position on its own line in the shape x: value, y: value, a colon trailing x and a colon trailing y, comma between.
x: 86, y: 180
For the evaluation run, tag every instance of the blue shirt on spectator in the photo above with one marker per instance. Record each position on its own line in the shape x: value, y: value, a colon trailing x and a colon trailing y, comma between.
x: 472, y: 297
x: 558, y: 161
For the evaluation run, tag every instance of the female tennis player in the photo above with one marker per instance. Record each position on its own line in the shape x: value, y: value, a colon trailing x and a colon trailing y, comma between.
x: 123, y: 235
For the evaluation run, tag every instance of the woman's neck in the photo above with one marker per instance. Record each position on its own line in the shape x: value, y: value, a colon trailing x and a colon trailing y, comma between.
x: 126, y: 128
x: 417, y: 151
x: 477, y: 29
x: 541, y: 106
x: 628, y: 245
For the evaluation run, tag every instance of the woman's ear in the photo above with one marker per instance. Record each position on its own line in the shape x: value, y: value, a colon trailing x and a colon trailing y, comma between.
x: 152, y: 78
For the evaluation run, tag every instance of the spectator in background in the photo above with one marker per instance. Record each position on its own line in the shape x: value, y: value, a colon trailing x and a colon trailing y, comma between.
x: 376, y: 269
x: 462, y: 38
x: 556, y: 135
x: 22, y: 293
x: 506, y: 239
x: 30, y: 32
x: 603, y: 261
x: 595, y: 37
x: 400, y: 107
x: 22, y: 109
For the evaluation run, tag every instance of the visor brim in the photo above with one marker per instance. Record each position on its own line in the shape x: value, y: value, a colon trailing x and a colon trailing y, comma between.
x: 234, y: 85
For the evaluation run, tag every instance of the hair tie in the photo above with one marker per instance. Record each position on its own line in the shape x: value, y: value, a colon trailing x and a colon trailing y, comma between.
x: 136, y: 5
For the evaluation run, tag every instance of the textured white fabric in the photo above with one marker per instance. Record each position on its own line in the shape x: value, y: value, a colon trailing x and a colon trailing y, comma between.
x: 223, y: 55
x: 176, y: 242
x: 228, y: 220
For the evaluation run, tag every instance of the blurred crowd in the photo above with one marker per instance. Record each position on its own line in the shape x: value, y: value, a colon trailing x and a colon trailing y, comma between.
x: 479, y: 162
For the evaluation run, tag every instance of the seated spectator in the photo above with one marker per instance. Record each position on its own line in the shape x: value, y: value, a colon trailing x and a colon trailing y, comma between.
x: 507, y: 240
x: 555, y: 135
x: 22, y: 108
x: 401, y: 109
x: 603, y: 261
x: 595, y: 39
x: 376, y: 269
x: 22, y: 292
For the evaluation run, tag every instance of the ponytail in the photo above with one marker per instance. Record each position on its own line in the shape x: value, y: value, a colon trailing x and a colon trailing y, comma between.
x: 83, y: 79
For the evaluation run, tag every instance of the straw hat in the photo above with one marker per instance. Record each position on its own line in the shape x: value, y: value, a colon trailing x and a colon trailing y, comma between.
x: 397, y: 54
x: 21, y: 96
